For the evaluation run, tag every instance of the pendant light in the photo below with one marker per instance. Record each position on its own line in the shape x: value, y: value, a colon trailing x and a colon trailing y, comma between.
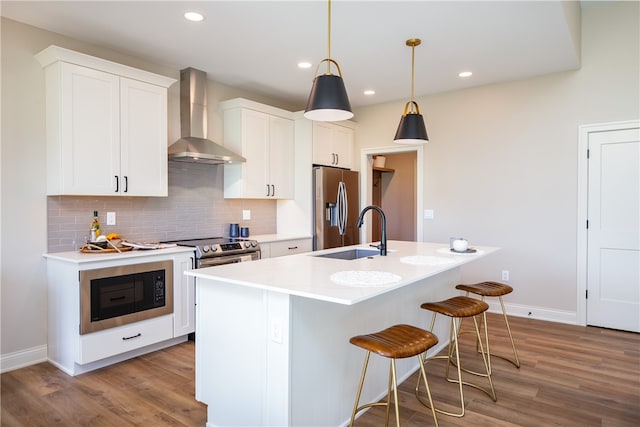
x: 328, y: 101
x: 411, y: 129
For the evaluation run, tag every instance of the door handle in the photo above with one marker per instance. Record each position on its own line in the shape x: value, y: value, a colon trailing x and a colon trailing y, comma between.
x: 273, y: 190
x: 268, y: 190
x: 342, y: 208
x: 139, y: 334
x: 117, y: 183
x: 126, y: 183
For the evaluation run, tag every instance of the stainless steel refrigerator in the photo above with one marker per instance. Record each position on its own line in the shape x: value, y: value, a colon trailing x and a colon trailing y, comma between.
x: 336, y: 207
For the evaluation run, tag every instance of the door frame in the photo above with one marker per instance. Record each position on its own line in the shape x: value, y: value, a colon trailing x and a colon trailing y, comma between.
x: 583, y: 199
x: 366, y: 180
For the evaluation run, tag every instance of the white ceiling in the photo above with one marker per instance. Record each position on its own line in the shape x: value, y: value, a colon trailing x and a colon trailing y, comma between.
x: 256, y: 45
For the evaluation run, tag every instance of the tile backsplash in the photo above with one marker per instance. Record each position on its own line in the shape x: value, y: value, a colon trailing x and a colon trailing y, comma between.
x: 195, y: 207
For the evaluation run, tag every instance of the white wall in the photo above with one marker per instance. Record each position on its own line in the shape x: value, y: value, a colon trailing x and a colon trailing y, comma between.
x: 501, y: 164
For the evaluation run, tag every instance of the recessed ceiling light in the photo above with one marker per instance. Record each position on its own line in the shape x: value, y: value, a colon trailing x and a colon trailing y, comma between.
x: 194, y: 16
x: 304, y: 65
x: 369, y: 92
x: 465, y: 74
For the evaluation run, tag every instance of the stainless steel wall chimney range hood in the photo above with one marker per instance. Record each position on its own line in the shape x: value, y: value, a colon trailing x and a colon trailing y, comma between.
x: 193, y: 146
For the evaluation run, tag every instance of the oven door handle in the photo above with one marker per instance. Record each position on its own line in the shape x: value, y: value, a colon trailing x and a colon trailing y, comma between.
x: 223, y: 260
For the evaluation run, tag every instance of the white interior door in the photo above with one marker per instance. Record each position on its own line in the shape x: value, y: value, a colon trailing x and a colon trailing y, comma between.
x: 613, y: 235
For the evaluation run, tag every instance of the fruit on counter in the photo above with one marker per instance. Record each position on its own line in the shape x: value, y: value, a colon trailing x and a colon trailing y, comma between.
x: 112, y: 236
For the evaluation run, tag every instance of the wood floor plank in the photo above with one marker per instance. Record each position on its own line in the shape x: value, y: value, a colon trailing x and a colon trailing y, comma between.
x: 570, y: 376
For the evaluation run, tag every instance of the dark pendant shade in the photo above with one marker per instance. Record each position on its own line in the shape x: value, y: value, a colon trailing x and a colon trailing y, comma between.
x: 328, y: 101
x: 411, y: 130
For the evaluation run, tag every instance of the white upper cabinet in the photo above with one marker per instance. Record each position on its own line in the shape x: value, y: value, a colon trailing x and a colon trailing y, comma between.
x: 143, y: 138
x: 106, y: 127
x: 265, y: 137
x: 332, y: 145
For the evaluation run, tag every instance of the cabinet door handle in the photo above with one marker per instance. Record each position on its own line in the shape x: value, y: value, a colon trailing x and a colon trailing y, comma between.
x: 334, y: 159
x: 117, y: 183
x: 273, y: 190
x: 292, y: 248
x: 337, y: 159
x: 126, y: 183
x: 268, y: 189
x: 139, y: 334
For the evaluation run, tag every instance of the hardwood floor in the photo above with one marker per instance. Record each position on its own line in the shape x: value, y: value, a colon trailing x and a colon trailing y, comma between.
x: 157, y: 389
x: 569, y: 376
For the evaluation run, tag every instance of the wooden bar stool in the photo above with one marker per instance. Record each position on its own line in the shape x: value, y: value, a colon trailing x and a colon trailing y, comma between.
x: 494, y: 289
x: 395, y: 342
x: 457, y: 308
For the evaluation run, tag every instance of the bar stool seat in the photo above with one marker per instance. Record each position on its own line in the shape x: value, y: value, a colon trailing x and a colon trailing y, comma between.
x: 494, y: 289
x: 457, y: 308
x: 395, y: 342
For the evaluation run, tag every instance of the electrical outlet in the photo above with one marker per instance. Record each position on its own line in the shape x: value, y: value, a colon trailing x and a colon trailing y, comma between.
x: 111, y: 218
x: 428, y: 214
x: 276, y: 330
x: 246, y: 214
x: 505, y: 275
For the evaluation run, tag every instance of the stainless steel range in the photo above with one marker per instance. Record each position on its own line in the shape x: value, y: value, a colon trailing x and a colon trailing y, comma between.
x: 213, y: 251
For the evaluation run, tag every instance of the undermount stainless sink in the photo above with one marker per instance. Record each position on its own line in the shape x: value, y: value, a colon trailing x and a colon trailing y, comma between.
x: 351, y: 254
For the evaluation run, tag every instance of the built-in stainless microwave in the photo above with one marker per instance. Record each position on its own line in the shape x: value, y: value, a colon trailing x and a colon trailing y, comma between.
x: 115, y: 296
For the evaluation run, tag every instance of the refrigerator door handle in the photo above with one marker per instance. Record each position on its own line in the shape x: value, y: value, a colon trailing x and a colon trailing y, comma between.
x: 345, y: 207
x: 342, y: 208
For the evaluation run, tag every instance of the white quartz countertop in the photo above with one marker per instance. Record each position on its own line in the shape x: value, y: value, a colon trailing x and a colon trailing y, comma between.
x: 78, y: 257
x: 343, y: 281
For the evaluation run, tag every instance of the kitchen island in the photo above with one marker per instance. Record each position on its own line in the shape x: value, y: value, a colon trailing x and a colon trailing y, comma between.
x: 273, y: 335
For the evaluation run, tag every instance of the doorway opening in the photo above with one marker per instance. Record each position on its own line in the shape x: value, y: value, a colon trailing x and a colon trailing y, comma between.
x: 397, y: 189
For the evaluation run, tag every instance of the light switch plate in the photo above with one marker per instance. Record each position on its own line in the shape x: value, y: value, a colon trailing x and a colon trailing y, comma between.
x: 111, y: 218
x: 246, y: 214
x: 428, y: 214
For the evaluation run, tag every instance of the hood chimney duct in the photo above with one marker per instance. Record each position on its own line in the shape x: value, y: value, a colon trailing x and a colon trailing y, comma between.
x: 193, y: 146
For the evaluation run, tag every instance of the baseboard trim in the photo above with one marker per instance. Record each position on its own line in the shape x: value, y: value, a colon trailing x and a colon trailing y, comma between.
x: 35, y: 355
x: 533, y: 312
x: 23, y: 358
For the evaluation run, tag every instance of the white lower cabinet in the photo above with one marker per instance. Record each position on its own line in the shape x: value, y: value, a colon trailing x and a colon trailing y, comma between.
x: 114, y: 341
x: 76, y: 353
x: 184, y: 296
x: 285, y: 247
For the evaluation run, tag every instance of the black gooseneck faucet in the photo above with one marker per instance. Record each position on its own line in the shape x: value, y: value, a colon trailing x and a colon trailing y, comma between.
x: 383, y: 240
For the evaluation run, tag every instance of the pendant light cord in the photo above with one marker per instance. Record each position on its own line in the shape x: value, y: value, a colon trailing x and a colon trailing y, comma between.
x: 329, y: 37
x: 413, y: 56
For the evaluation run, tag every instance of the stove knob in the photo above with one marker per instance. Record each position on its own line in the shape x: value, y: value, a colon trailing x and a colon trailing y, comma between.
x: 247, y: 244
x: 254, y: 243
x: 214, y: 248
x: 205, y: 249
